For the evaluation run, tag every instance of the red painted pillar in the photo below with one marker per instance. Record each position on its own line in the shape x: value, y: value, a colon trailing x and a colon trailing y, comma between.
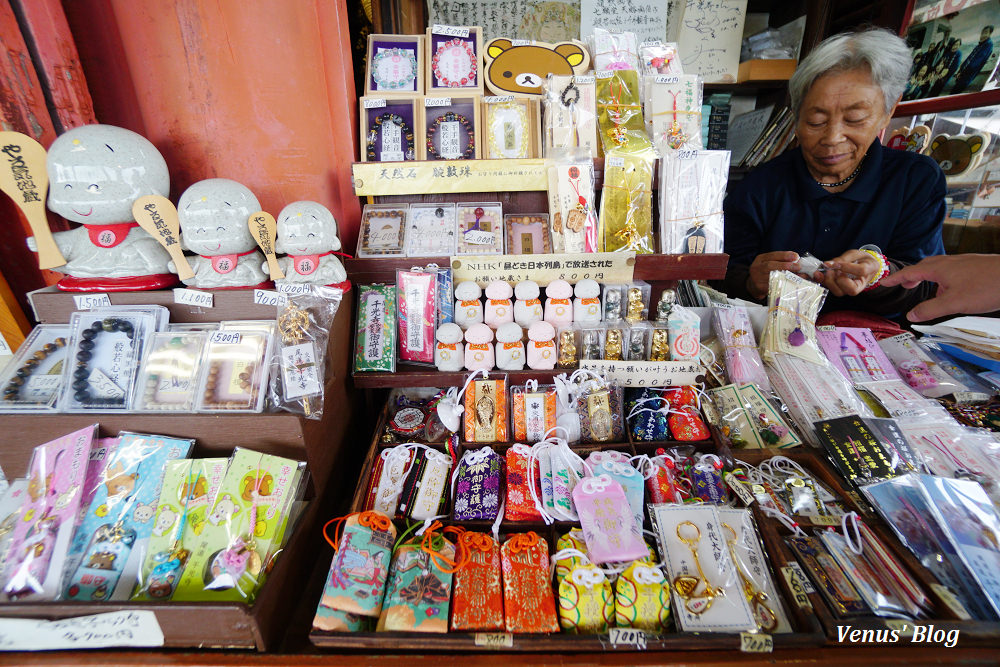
x: 260, y: 92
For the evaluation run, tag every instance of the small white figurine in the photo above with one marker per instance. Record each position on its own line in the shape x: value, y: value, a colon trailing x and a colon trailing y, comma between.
x: 449, y: 353
x: 468, y: 307
x: 558, y: 309
x: 587, y: 304
x: 479, y: 348
x: 509, y: 348
x: 499, y: 307
x: 307, y: 234
x: 213, y: 215
x: 528, y: 307
x: 541, y: 346
x: 96, y: 173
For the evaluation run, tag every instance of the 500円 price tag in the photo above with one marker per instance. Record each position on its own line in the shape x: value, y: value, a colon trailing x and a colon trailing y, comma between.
x: 627, y: 638
x: 756, y: 642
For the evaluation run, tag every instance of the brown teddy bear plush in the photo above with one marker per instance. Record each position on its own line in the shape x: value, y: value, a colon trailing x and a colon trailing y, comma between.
x: 521, y: 70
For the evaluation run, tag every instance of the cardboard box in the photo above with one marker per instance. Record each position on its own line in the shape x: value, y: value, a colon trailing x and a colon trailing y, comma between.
x: 766, y: 70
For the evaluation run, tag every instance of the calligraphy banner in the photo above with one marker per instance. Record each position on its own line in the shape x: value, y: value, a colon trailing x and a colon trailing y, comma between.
x: 446, y: 176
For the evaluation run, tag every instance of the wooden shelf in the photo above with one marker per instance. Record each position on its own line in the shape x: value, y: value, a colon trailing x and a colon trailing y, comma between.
x: 983, y: 98
x: 363, y: 270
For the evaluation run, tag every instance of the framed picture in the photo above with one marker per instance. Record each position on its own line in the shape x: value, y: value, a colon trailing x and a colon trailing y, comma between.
x: 395, y: 65
x: 510, y: 127
x: 454, y: 59
x: 388, y: 129
x: 450, y: 128
x: 528, y: 234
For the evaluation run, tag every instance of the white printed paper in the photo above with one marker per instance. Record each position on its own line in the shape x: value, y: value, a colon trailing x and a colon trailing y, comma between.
x: 543, y: 20
x: 118, y: 628
x: 299, y: 371
x: 450, y: 137
x: 193, y: 297
x: 89, y: 301
x: 104, y: 386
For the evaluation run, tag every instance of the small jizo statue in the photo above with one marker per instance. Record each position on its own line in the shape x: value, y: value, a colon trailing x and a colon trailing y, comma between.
x: 307, y: 234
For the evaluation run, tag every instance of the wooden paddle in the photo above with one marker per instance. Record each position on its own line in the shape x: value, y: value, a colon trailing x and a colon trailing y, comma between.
x: 24, y: 178
x: 265, y: 230
x: 158, y: 216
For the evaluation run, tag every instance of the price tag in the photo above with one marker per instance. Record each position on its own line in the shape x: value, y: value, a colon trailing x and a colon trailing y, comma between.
x: 43, y: 383
x: 798, y: 589
x: 826, y: 327
x: 652, y: 42
x: 584, y: 79
x: 604, y: 74
x: 613, y: 161
x: 479, y: 237
x: 299, y: 371
x: 437, y: 101
x: 495, y: 639
x: 756, y: 642
x: 740, y: 489
x: 373, y: 102
x: 193, y: 297
x: 953, y: 602
x: 665, y: 78
x: 267, y: 297
x: 627, y: 637
x: 901, y: 338
x: 292, y: 289
x: 104, y: 386
x: 646, y: 373
x: 117, y: 628
x: 225, y: 337
x: 686, y: 154
x: 801, y: 575
x: 498, y: 99
x: 89, y: 301
x: 520, y: 42
x: 824, y: 520
x: 449, y: 30
x: 971, y: 397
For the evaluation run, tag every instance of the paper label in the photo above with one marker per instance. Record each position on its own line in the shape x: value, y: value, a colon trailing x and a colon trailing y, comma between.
x: 497, y: 99
x: 520, y: 42
x: 603, y: 74
x: 437, y: 102
x: 5, y: 347
x: 663, y: 78
x: 740, y: 489
x: 901, y: 338
x: 824, y: 520
x: 375, y: 317
x: 373, y: 102
x: 651, y: 42
x: 118, y: 628
x: 104, y: 386
x: 629, y: 637
x: 646, y: 373
x: 450, y: 138
x: 534, y: 416
x: 43, y: 383
x: 88, y: 301
x: 686, y: 154
x: 449, y: 30
x: 584, y: 79
x: 953, y: 602
x: 801, y: 574
x: 392, y: 141
x: 266, y: 297
x: 225, y: 337
x: 971, y: 397
x: 292, y: 289
x: 614, y: 161
x: 495, y: 639
x: 299, y: 371
x: 604, y: 267
x: 414, y: 304
x: 798, y: 589
x: 194, y: 297
x: 756, y: 642
x: 479, y: 237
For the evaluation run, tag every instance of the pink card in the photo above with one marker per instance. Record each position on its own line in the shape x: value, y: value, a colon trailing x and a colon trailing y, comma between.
x: 856, y: 354
x: 417, y: 302
x: 609, y: 528
x: 56, y: 477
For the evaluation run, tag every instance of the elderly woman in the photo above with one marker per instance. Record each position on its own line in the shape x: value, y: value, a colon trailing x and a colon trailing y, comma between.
x: 841, y: 195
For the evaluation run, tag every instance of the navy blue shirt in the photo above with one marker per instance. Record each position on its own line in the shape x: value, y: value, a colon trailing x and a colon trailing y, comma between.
x: 895, y: 202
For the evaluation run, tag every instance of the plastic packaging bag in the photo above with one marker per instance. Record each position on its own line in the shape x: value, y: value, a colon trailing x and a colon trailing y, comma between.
x: 660, y: 59
x: 613, y: 50
x: 673, y: 112
x: 572, y: 208
x: 692, y: 187
x: 917, y: 368
x: 626, y: 221
x: 570, y: 115
x: 619, y: 112
x: 731, y: 325
x: 299, y: 372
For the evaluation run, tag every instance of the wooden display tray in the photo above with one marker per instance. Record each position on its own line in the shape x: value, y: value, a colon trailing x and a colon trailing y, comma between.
x: 260, y: 625
x: 808, y: 633
x: 971, y: 633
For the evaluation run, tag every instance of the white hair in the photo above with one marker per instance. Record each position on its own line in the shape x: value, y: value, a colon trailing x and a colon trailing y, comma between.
x: 882, y: 53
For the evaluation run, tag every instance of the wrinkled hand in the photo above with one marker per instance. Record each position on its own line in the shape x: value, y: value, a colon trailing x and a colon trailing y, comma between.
x: 850, y: 274
x: 760, y: 270
x: 966, y: 284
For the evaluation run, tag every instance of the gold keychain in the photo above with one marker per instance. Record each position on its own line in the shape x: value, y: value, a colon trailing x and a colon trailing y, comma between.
x: 687, y: 585
x: 293, y: 324
x: 765, y: 617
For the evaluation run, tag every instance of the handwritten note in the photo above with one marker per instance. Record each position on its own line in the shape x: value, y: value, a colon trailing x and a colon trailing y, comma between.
x: 646, y: 373
x: 118, y: 628
x: 542, y: 20
x: 648, y: 20
x: 709, y: 38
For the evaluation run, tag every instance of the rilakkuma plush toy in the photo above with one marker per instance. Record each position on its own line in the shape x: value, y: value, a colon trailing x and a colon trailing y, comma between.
x: 449, y: 352
x: 558, y: 309
x: 528, y: 307
x: 499, y: 307
x: 468, y: 307
x: 541, y: 346
x: 479, y: 349
x: 509, y: 348
x: 587, y: 304
x: 213, y: 214
x: 96, y: 173
x: 307, y: 235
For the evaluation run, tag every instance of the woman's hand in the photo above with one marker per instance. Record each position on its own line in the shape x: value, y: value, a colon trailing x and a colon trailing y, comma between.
x: 760, y: 270
x: 965, y: 284
x: 851, y: 273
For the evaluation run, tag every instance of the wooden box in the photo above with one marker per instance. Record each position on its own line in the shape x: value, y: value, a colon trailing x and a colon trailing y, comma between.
x: 450, y: 56
x: 454, y: 119
x: 392, y: 121
x: 511, y: 127
x: 390, y: 62
x: 260, y: 625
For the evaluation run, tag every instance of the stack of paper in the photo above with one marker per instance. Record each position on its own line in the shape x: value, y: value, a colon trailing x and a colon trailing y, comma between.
x: 972, y: 339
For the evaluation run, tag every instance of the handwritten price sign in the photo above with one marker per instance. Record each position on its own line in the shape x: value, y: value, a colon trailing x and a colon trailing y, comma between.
x: 119, y: 628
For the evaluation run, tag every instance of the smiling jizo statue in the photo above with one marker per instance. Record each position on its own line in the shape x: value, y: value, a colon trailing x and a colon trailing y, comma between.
x: 213, y: 215
x: 96, y: 172
x: 307, y: 234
